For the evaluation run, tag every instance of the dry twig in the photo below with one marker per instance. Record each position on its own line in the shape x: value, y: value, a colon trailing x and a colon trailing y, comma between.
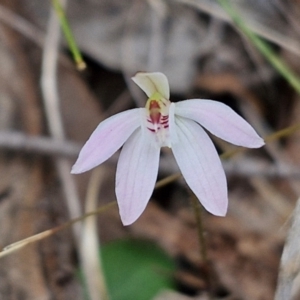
x: 51, y: 100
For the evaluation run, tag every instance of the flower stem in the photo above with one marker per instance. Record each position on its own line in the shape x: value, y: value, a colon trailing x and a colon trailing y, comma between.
x: 201, y: 235
x: 206, y: 265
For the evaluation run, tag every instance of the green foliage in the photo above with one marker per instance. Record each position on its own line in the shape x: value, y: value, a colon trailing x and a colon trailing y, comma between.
x: 136, y: 269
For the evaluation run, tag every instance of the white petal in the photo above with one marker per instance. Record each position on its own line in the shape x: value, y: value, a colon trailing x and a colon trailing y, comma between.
x: 221, y: 121
x: 136, y: 176
x: 151, y: 83
x: 107, y: 138
x: 200, y: 165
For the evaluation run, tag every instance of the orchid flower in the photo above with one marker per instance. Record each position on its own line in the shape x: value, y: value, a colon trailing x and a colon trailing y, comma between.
x: 143, y: 131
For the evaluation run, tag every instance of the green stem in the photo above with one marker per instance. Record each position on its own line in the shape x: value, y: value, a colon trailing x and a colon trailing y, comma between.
x: 200, y: 229
x: 207, y: 268
x: 68, y: 35
x: 282, y: 133
x: 263, y: 47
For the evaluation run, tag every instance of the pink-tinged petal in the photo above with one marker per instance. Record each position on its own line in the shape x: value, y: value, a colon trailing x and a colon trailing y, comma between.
x: 152, y: 83
x: 200, y: 165
x: 136, y: 176
x: 221, y: 121
x: 107, y: 138
x: 172, y: 125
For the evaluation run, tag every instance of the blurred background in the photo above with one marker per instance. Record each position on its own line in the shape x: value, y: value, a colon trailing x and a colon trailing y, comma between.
x: 48, y: 109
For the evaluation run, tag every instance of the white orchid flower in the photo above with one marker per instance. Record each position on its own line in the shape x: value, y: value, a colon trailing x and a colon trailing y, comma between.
x: 143, y: 131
